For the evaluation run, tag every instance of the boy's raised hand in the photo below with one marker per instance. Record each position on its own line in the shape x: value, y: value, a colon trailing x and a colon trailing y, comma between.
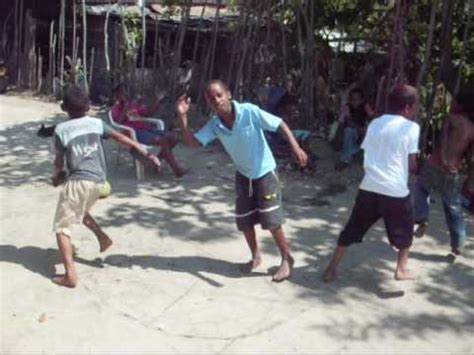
x: 301, y: 157
x: 154, y: 159
x: 182, y: 105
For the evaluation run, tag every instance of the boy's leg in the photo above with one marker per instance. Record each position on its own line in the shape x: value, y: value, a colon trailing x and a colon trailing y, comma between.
x: 251, y: 238
x: 270, y: 216
x: 65, y: 247
x: 398, y: 219
x: 453, y: 211
x: 104, y: 241
x: 364, y: 214
x: 284, y: 271
x: 421, y: 195
x: 401, y: 272
x: 246, y: 216
x: 167, y: 154
x: 330, y: 274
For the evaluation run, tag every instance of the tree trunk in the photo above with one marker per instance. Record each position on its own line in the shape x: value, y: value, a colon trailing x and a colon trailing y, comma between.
x: 214, y: 41
x: 186, y: 8
x: 142, y: 76
x: 20, y: 44
x: 84, y: 42
x: 237, y: 40
x: 393, y: 48
x: 198, y: 33
x: 427, y: 59
x: 62, y: 31
x: 462, y: 55
x: 106, y: 40
x: 74, y: 33
x: 50, y: 76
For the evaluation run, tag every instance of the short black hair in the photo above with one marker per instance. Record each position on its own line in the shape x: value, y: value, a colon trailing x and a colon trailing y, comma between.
x: 75, y: 100
x: 401, y: 96
x: 120, y: 86
x: 218, y: 82
x: 356, y: 91
x: 465, y: 99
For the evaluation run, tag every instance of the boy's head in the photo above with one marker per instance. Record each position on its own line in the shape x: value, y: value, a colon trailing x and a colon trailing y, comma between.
x: 218, y: 97
x: 121, y: 92
x: 403, y: 100
x: 463, y: 102
x: 287, y: 108
x: 75, y: 102
x: 356, y: 98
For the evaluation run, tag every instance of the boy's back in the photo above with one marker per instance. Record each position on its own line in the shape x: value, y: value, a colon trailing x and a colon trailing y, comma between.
x: 80, y: 140
x: 389, y: 141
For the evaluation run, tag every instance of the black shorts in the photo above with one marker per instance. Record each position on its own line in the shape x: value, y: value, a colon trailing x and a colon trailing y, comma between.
x: 397, y: 214
x: 258, y: 202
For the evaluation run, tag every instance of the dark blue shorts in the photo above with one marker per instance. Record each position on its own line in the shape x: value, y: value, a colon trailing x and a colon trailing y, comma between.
x: 146, y: 136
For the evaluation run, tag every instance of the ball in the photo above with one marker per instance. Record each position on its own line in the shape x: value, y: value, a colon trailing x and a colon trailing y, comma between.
x: 106, y: 190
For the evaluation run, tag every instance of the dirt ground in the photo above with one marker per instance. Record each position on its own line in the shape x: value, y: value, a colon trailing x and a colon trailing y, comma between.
x: 171, y: 282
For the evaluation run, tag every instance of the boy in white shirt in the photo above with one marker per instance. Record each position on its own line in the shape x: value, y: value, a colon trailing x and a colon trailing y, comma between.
x: 390, y: 152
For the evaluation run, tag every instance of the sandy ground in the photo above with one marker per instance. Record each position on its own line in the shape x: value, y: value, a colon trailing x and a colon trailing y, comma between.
x: 170, y: 283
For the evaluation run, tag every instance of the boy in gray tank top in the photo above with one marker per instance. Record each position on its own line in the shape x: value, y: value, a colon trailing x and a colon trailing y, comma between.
x: 79, y: 142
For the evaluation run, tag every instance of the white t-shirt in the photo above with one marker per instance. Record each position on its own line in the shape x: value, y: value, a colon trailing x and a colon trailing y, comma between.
x: 387, y: 144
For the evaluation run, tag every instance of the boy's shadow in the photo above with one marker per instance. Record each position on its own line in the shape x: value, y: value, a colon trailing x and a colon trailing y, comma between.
x: 194, y: 265
x: 37, y: 260
x: 42, y: 261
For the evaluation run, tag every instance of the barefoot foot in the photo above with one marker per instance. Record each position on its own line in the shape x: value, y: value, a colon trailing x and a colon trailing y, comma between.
x: 66, y: 281
x: 329, y: 275
x: 403, y: 276
x: 252, y: 264
x: 105, y: 243
x: 181, y: 172
x: 420, y: 230
x: 284, y: 272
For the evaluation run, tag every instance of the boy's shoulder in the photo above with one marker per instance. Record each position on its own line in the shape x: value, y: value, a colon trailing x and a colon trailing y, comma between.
x: 84, y: 125
x: 78, y: 122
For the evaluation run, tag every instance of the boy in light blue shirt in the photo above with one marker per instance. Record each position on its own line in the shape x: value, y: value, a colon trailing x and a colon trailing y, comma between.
x: 240, y: 128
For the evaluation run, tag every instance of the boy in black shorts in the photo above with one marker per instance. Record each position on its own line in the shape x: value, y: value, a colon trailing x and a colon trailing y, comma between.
x: 390, y: 148
x: 240, y: 127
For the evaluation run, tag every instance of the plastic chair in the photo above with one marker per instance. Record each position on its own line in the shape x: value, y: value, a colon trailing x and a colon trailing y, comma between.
x: 139, y: 168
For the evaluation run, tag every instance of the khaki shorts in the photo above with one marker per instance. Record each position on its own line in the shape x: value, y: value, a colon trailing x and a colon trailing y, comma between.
x: 76, y: 198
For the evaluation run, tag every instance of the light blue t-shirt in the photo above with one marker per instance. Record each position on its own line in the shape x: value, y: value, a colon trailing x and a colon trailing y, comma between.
x: 245, y: 142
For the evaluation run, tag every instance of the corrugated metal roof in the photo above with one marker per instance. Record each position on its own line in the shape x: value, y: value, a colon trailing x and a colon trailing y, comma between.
x: 161, y: 12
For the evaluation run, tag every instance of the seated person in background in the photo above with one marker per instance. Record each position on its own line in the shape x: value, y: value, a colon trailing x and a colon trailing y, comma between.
x: 355, y: 115
x: 129, y: 113
x: 285, y: 107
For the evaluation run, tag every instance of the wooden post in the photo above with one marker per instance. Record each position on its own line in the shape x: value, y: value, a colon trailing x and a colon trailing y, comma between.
x: 214, y: 41
x: 74, y: 33
x: 20, y: 44
x: 84, y: 41
x: 50, y: 75
x: 62, y: 31
x: 198, y: 33
x: 142, y: 74
x: 91, y: 66
x: 39, y: 72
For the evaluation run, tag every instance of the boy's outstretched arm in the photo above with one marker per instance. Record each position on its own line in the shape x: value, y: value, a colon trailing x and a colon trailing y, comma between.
x: 58, y: 174
x: 123, y: 139
x: 295, y: 147
x: 182, y: 108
